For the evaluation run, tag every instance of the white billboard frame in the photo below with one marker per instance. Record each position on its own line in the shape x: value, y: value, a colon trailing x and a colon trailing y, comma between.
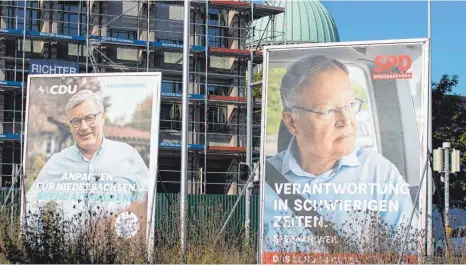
x: 425, y: 42
x: 154, y: 142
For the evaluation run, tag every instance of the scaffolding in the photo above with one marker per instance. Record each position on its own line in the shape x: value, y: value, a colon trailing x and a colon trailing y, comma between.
x: 143, y: 36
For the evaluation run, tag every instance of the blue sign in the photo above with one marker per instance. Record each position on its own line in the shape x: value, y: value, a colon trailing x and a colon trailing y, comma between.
x: 190, y: 146
x: 179, y: 95
x: 10, y: 136
x: 11, y: 83
x: 11, y: 31
x: 52, y: 67
x: 176, y: 46
x: 122, y: 41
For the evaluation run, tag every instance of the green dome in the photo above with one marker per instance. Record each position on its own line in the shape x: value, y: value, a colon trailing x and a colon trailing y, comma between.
x: 303, y: 21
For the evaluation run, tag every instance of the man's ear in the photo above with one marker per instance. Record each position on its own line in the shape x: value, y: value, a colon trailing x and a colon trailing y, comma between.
x: 289, y: 121
x: 103, y: 118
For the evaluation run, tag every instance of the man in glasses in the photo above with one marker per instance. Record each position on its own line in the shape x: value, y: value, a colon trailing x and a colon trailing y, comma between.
x: 324, y: 178
x: 109, y: 172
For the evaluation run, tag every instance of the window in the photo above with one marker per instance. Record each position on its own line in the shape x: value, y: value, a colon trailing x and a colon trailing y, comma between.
x: 176, y: 13
x: 173, y: 58
x: 170, y: 116
x: 62, y: 51
x: 127, y: 54
x: 218, y: 30
x: 10, y: 45
x: 217, y: 37
x: 121, y: 33
x: 15, y: 14
x: 221, y: 62
x: 172, y: 87
x: 73, y: 49
x: 82, y: 18
x: 218, y: 90
x: 68, y: 18
x: 218, y: 17
x: 12, y: 74
x: 33, y: 16
x: 366, y: 135
x: 217, y: 119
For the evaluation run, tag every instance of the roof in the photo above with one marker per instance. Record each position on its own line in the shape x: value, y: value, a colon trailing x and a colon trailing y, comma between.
x: 129, y: 133
x: 303, y: 21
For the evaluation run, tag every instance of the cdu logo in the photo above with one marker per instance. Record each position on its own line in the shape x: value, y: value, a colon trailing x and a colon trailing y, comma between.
x: 58, y: 89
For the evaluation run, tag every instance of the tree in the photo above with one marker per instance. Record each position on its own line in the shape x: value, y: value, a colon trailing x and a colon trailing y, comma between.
x: 449, y: 124
x: 142, y: 116
x: 257, y: 89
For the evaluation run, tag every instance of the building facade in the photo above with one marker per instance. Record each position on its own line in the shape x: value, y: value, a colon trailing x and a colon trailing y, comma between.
x: 141, y: 36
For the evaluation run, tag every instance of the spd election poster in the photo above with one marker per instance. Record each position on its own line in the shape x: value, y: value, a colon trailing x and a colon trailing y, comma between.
x: 344, y: 146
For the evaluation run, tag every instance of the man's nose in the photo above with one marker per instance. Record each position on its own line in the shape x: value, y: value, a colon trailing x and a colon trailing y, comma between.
x: 344, y: 117
x: 83, y: 126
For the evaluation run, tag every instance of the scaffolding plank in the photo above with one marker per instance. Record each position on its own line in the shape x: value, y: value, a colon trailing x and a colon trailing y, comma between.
x: 229, y: 51
x: 228, y: 148
x: 227, y: 98
x: 261, y: 10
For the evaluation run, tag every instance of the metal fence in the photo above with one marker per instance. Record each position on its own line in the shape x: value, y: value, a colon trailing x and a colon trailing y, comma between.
x: 6, y: 206
x: 207, y: 214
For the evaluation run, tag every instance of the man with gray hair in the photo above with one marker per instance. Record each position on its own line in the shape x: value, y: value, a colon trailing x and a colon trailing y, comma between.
x: 105, y: 170
x: 324, y: 166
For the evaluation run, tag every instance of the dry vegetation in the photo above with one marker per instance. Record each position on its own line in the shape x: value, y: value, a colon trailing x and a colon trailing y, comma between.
x: 53, y: 240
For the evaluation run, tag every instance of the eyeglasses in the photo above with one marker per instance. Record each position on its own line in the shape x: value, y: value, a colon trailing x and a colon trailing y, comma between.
x: 90, y: 119
x: 325, y: 114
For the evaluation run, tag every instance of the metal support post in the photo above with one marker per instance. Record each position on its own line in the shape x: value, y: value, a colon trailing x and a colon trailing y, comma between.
x: 408, y: 228
x: 249, y: 148
x: 446, y: 170
x: 148, y: 28
x: 88, y: 9
x: 23, y: 101
x: 430, y: 246
x: 184, y: 128
x: 232, y: 211
x: 442, y: 165
x: 12, y: 188
x: 206, y: 93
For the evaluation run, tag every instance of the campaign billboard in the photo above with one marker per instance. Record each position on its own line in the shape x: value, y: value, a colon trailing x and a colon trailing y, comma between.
x: 344, y: 147
x: 91, y: 145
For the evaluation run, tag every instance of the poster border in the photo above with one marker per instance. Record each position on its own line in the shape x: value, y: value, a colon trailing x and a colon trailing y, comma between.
x: 428, y: 114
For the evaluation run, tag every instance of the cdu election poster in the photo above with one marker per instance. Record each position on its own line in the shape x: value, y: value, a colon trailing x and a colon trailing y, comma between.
x: 345, y: 143
x: 91, y: 146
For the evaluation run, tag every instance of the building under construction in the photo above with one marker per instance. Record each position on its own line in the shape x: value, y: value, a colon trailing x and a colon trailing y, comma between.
x: 141, y: 36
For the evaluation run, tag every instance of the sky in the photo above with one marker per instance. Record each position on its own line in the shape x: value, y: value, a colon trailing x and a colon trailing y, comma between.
x: 380, y: 20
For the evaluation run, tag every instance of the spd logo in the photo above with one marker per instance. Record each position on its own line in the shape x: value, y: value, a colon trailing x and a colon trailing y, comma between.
x: 392, y: 67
